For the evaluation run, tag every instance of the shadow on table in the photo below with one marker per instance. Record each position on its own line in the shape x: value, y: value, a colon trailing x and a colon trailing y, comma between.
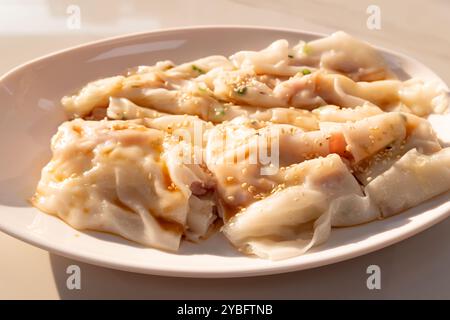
x: 419, y: 262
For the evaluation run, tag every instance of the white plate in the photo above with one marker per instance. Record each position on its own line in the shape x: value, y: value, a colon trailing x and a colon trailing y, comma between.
x: 30, y: 114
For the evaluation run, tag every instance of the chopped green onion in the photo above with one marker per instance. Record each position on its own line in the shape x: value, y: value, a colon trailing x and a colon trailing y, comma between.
x: 306, y: 49
x: 306, y: 71
x: 199, y: 70
x: 201, y: 89
x: 220, y: 111
x: 241, y: 90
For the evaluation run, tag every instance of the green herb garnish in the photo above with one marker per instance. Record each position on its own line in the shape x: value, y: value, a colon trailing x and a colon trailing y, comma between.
x: 219, y: 111
x: 241, y: 90
x: 306, y: 49
x: 306, y: 71
x: 199, y: 70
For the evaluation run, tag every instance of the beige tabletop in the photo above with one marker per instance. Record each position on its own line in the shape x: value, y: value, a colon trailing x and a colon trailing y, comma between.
x: 415, y: 268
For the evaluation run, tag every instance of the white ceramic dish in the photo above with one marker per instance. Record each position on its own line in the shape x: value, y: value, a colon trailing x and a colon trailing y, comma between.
x: 31, y: 112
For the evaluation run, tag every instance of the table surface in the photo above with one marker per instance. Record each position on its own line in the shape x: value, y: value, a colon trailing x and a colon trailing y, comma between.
x: 414, y: 268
